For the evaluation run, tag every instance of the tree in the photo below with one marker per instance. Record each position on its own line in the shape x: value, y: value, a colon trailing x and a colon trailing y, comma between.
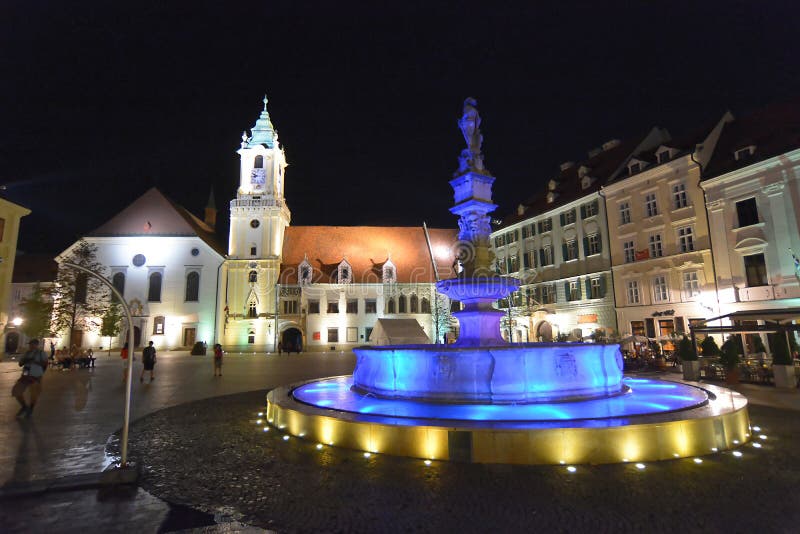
x: 686, y: 351
x: 709, y: 347
x: 112, y: 322
x: 731, y: 351
x: 79, y: 299
x: 37, y: 311
x: 441, y: 316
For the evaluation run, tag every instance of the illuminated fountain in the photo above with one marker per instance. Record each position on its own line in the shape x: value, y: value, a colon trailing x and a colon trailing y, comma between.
x: 485, y: 400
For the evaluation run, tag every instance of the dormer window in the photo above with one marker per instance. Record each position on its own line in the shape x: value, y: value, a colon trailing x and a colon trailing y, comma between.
x: 586, y: 182
x: 551, y: 197
x: 304, y: 272
x: 583, y: 170
x: 665, y: 155
x: 552, y: 184
x: 744, y: 153
x: 389, y: 272
x: 344, y: 273
x: 634, y: 167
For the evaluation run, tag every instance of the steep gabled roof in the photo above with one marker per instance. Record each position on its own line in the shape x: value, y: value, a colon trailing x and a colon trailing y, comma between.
x: 772, y: 130
x: 366, y: 249
x: 153, y: 214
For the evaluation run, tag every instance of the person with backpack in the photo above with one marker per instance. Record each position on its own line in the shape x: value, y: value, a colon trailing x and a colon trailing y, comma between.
x: 149, y: 361
x: 34, y: 364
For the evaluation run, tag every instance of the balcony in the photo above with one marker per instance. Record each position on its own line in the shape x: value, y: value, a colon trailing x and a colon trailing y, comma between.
x: 749, y: 294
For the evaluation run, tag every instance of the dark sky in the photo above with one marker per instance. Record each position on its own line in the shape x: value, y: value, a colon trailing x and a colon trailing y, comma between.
x: 101, y: 100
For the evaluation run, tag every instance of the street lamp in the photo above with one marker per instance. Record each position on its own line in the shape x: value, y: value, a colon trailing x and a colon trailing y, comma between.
x: 16, y: 321
x: 127, y: 413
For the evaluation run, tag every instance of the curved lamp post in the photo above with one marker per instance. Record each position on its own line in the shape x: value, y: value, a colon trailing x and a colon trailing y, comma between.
x: 127, y: 417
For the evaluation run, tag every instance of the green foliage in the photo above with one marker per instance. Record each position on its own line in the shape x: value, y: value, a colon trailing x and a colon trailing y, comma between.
x: 709, y: 347
x: 36, y: 313
x: 441, y: 316
x: 686, y: 350
x: 780, y: 350
x: 758, y: 344
x: 112, y: 321
x: 79, y: 299
x: 731, y: 351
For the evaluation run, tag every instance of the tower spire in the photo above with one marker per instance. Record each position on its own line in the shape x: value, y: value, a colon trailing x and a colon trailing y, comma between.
x: 263, y: 133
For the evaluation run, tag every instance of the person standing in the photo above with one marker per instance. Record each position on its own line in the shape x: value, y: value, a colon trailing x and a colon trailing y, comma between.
x: 124, y: 355
x: 34, y: 364
x: 218, y: 360
x: 149, y: 361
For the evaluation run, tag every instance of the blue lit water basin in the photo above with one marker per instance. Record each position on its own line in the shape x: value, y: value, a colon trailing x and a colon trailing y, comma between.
x: 645, y: 397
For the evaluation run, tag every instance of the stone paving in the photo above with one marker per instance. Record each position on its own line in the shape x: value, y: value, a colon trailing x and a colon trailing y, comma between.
x: 198, y: 442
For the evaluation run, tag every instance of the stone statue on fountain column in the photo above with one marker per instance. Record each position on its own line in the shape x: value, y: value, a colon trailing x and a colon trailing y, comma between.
x: 471, y: 158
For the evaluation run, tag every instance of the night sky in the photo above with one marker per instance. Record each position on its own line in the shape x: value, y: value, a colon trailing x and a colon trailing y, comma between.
x: 102, y: 100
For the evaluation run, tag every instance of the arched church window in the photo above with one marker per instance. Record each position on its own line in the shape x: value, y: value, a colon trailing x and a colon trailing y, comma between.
x: 344, y: 273
x: 425, y: 305
x: 259, y: 162
x: 154, y: 288
x: 304, y: 272
x: 193, y: 286
x: 252, y: 312
x: 252, y: 277
x: 118, y: 281
x: 401, y: 304
x: 389, y: 272
x: 414, y: 304
x: 390, y: 305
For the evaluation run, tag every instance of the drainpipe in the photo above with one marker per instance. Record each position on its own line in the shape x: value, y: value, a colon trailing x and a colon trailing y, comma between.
x: 708, y: 226
x: 610, y: 262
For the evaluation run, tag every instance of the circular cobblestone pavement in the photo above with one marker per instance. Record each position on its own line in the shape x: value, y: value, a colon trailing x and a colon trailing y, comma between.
x: 211, y: 455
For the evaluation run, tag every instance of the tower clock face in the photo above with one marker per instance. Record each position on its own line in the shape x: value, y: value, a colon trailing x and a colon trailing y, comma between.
x: 254, y: 223
x: 257, y: 178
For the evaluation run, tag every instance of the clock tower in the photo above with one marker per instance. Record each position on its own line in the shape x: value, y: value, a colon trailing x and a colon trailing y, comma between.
x: 259, y: 217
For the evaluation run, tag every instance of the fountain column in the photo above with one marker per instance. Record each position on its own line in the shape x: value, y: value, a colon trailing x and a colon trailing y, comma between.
x: 477, y: 286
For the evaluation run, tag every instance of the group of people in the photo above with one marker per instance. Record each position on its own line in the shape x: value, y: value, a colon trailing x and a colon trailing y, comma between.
x: 74, y: 357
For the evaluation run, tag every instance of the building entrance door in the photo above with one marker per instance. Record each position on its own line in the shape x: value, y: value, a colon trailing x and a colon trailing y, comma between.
x: 189, y: 336
x: 76, y: 338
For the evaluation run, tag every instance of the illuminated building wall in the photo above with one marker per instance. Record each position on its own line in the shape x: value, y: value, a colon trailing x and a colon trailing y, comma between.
x: 10, y: 217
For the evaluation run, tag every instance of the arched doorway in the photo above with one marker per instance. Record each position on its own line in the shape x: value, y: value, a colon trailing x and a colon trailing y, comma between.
x: 292, y: 340
x: 137, y: 336
x: 12, y: 342
x: 544, y: 332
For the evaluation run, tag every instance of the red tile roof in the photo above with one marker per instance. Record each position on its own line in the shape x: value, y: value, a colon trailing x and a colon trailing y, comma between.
x: 366, y: 249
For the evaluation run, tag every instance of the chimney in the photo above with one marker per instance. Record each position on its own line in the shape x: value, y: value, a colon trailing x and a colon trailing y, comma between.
x: 210, y: 217
x: 608, y: 145
x: 567, y: 164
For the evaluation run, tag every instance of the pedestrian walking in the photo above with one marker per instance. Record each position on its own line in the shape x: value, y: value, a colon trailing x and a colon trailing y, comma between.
x: 34, y: 364
x: 149, y: 361
x: 218, y: 360
x: 124, y: 355
x: 280, y: 348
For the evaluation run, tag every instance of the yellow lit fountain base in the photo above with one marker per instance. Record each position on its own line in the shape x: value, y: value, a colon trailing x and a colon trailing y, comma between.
x: 721, y: 423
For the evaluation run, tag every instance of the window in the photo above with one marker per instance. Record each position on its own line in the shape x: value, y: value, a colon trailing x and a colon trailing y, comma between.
x: 389, y: 273
x: 514, y: 267
x: 414, y: 304
x: 252, y: 277
x: 259, y: 162
x: 590, y: 209
x: 633, y: 168
x: 253, y: 251
x: 401, y: 304
x: 333, y: 306
x: 568, y: 217
x: 528, y: 231
x: 595, y: 288
x: 252, y: 312
x: 290, y: 307
x: 370, y: 306
x: 744, y: 153
x: 685, y: 239
x: 251, y: 337
x: 548, y: 295
x: 313, y: 306
x: 81, y: 283
x: 633, y: 292
x: 570, y: 250
x: 304, y: 272
x: 499, y: 241
x: 574, y: 290
x: 352, y: 334
x: 158, y: 325
x: 755, y: 269
x: 637, y: 328
x: 193, y: 286
x: 691, y: 285
x: 118, y: 281
x: 660, y: 289
x: 630, y: 253
x: 367, y: 333
x: 333, y: 335
x: 545, y: 225
x: 663, y: 156
x: 666, y: 327
x: 352, y: 306
x: 391, y: 306
x: 624, y: 213
x: 546, y: 255
x: 650, y: 205
x: 593, y: 245
x: 655, y: 246
x: 154, y: 288
x: 679, y: 199
x: 424, y: 305
x: 344, y: 274
x: 747, y: 210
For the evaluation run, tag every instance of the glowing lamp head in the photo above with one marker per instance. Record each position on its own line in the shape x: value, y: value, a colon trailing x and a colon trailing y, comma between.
x: 16, y: 321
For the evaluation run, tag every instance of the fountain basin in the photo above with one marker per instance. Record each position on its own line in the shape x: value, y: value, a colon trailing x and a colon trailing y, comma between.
x: 503, y: 374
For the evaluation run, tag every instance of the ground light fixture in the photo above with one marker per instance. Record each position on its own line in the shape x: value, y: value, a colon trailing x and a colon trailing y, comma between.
x: 737, y: 454
x: 367, y: 454
x: 757, y: 445
x: 319, y: 446
x: 285, y: 438
x: 571, y: 468
x: 640, y: 466
x: 763, y: 436
x: 427, y: 462
x: 698, y: 460
x: 756, y: 429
